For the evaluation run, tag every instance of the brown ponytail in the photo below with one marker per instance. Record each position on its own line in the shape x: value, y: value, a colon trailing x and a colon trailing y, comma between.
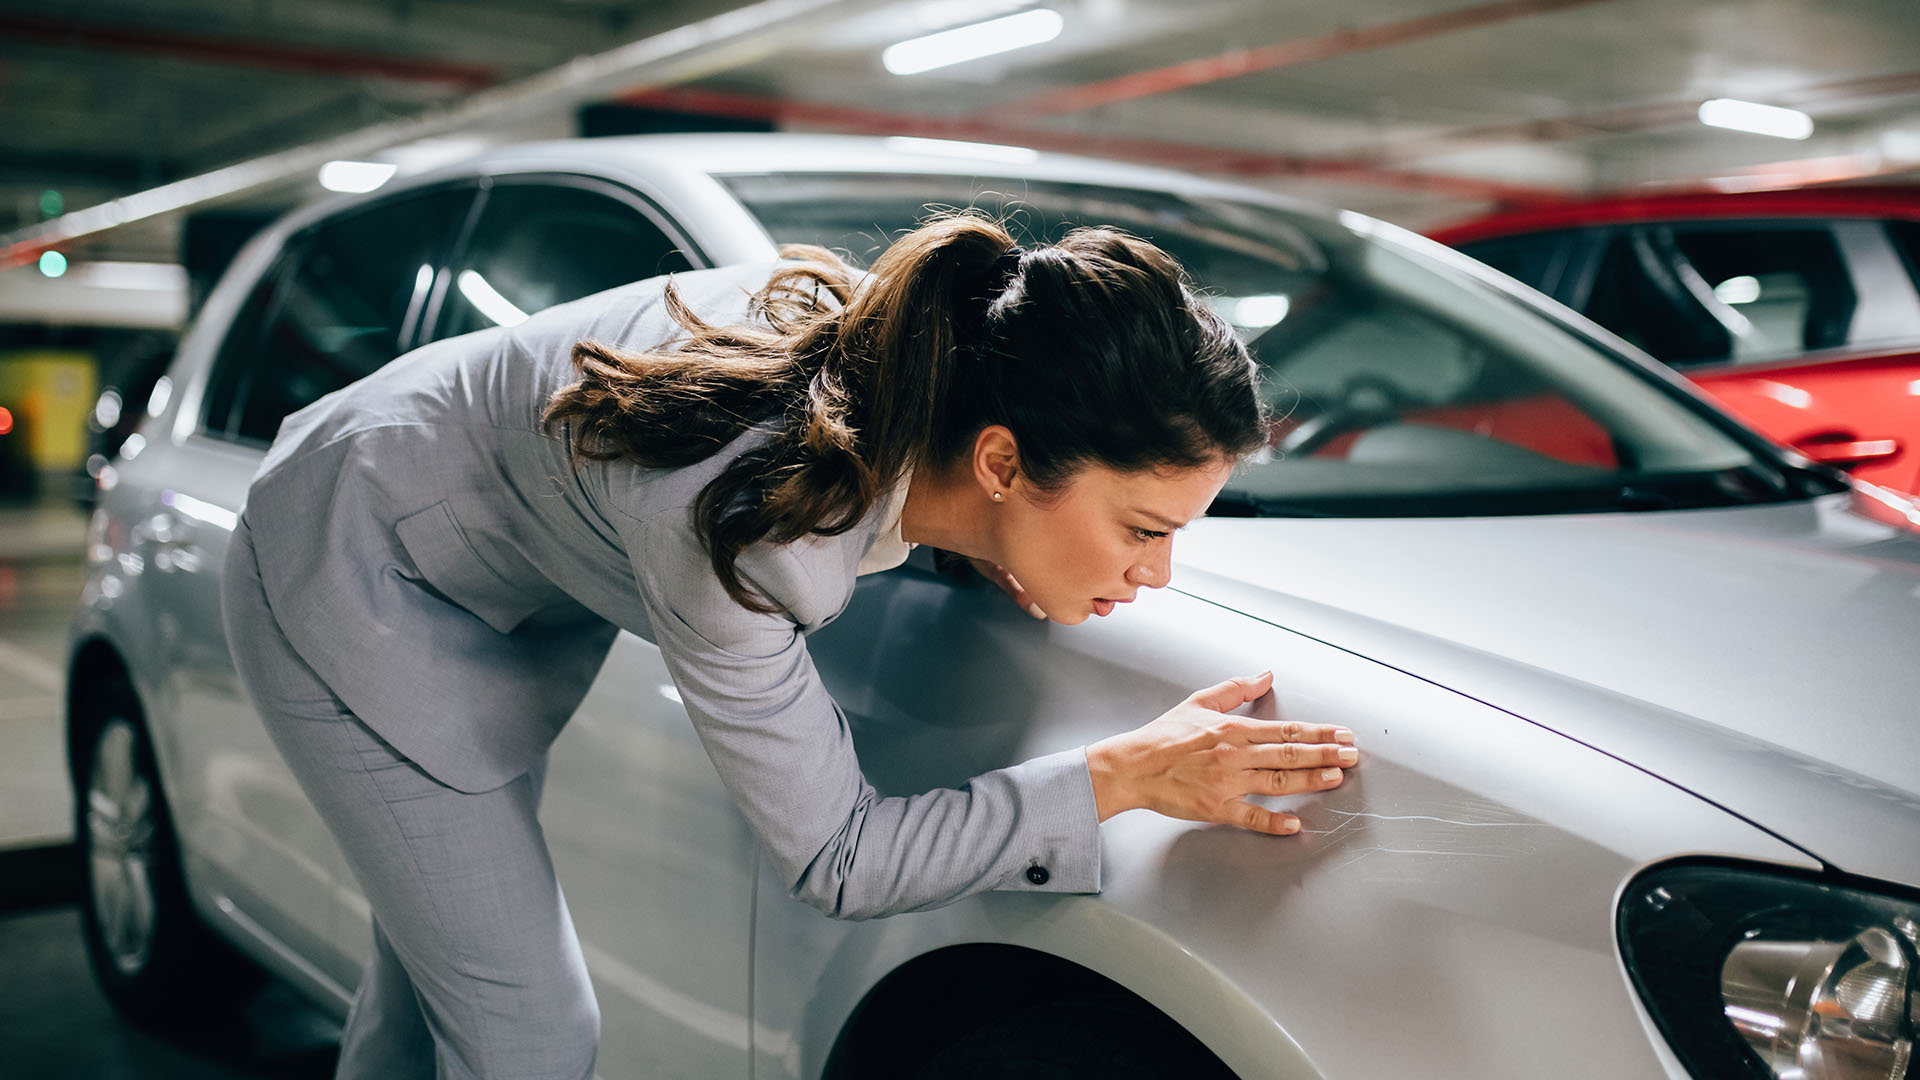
x: 1090, y: 350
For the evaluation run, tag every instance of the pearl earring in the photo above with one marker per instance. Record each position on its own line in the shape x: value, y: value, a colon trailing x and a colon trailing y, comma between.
x: 996, y: 496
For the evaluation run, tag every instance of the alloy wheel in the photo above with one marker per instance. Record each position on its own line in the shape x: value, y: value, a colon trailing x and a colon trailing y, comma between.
x: 121, y: 828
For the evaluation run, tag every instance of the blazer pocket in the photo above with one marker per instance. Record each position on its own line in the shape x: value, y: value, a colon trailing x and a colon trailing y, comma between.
x: 448, y: 562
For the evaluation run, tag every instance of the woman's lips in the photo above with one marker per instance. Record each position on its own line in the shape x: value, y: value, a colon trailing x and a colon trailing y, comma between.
x: 1104, y: 606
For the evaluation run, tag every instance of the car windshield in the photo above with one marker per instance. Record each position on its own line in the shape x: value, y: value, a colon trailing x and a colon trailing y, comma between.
x: 1402, y: 383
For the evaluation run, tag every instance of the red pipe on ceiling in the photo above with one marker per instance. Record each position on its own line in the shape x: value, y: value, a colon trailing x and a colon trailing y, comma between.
x: 1644, y: 117
x: 69, y: 33
x: 1191, y: 73
x: 1190, y: 157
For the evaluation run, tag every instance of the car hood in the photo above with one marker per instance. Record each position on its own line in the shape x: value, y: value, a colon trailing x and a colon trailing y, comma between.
x: 1765, y: 658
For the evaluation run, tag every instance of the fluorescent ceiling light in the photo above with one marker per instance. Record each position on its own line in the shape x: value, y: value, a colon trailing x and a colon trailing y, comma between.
x: 354, y: 176
x: 963, y: 43
x: 161, y: 277
x: 481, y: 294
x: 1755, y: 118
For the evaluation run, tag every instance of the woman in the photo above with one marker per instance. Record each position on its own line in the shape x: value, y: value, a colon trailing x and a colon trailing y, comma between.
x: 434, y: 561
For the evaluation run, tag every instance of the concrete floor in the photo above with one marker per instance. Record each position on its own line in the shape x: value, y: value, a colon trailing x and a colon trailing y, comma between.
x: 54, y: 1022
x: 40, y: 574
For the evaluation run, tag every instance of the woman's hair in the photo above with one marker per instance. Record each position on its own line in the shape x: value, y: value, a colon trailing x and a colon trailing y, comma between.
x: 1094, y: 350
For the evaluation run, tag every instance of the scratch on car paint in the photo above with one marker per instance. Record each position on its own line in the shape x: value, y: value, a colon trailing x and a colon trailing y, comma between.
x: 1431, y: 827
x: 1371, y: 850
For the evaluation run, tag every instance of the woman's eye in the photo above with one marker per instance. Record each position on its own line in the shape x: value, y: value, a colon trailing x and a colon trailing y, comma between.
x: 1144, y: 535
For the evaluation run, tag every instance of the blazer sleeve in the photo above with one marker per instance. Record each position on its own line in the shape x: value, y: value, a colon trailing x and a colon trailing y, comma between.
x: 783, y: 749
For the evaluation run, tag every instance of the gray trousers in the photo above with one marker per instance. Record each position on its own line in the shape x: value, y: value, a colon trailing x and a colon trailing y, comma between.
x: 475, y: 970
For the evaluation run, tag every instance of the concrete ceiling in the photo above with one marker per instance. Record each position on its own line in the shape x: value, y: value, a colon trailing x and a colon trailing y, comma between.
x: 1415, y: 110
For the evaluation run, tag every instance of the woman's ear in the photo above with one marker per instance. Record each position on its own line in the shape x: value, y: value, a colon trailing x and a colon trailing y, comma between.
x: 996, y: 459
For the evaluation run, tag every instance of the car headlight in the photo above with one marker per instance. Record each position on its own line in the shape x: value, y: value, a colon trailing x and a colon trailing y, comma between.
x: 1765, y: 974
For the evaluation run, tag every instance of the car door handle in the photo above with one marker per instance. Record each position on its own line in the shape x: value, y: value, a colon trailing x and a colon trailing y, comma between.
x: 1843, y: 449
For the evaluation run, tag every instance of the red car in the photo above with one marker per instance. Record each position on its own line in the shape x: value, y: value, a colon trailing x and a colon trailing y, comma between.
x: 1799, y: 310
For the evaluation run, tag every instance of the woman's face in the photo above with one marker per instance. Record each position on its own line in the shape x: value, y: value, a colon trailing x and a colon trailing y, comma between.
x: 1105, y: 536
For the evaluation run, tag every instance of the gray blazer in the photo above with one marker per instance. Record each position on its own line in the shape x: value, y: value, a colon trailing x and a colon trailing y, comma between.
x: 428, y: 550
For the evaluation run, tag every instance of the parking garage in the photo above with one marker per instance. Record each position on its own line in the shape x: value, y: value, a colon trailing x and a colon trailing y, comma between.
x: 1579, y: 539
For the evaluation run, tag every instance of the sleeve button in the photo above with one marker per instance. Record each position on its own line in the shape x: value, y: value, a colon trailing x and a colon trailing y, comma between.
x: 1038, y: 875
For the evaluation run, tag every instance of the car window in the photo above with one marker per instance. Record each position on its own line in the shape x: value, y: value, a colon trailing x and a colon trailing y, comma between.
x: 1536, y: 259
x: 338, y: 308
x: 233, y: 364
x: 1402, y: 385
x: 1725, y: 294
x: 1906, y: 238
x: 544, y: 243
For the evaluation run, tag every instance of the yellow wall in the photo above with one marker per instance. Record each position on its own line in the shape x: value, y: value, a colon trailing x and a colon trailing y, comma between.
x: 49, y: 392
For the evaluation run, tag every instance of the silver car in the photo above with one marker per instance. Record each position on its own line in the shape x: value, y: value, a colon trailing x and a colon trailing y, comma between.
x: 1637, y: 692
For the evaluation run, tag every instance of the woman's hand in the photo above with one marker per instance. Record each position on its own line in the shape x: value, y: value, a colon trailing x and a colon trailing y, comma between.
x: 1197, y: 763
x: 998, y: 574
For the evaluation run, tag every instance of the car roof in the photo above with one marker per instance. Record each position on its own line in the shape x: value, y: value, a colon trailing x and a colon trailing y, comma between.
x: 1862, y: 201
x: 722, y: 153
x: 687, y: 158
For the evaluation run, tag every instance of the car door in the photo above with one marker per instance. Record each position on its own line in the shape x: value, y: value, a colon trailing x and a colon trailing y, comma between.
x: 656, y: 862
x: 1795, y: 325
x: 341, y: 300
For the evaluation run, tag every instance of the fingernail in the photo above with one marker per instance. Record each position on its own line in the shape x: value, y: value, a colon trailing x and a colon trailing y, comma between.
x: 1290, y: 825
x: 1348, y: 755
x: 1034, y: 610
x: 1342, y: 735
x: 1265, y: 674
x: 1329, y: 775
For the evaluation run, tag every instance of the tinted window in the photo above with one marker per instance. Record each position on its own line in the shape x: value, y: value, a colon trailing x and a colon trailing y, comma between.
x: 1535, y: 259
x: 233, y: 367
x: 1402, y: 386
x: 342, y: 307
x: 543, y: 244
x: 1712, y: 295
x: 1906, y: 237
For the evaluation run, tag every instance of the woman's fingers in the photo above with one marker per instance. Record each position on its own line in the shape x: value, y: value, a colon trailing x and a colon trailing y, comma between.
x: 1294, y: 781
x: 1197, y: 763
x: 1260, y: 819
x: 1292, y: 731
x: 1230, y: 695
x: 1298, y: 755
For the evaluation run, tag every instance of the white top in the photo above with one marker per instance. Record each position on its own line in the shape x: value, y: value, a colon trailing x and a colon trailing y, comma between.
x: 888, y: 550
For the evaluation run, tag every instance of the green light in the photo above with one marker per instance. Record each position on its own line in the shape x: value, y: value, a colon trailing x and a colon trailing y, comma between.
x: 51, y: 204
x: 52, y: 263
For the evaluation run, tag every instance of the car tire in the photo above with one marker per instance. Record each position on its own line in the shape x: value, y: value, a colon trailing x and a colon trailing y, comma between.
x: 151, y: 955
x: 1077, y: 1040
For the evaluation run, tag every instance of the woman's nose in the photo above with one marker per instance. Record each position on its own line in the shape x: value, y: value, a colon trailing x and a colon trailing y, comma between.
x: 1152, y: 575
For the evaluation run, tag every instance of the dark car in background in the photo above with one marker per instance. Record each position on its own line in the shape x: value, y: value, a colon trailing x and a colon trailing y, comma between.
x: 1798, y: 310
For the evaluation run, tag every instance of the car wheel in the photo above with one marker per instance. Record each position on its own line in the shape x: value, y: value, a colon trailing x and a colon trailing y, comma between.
x: 1077, y: 1040
x: 149, y: 951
